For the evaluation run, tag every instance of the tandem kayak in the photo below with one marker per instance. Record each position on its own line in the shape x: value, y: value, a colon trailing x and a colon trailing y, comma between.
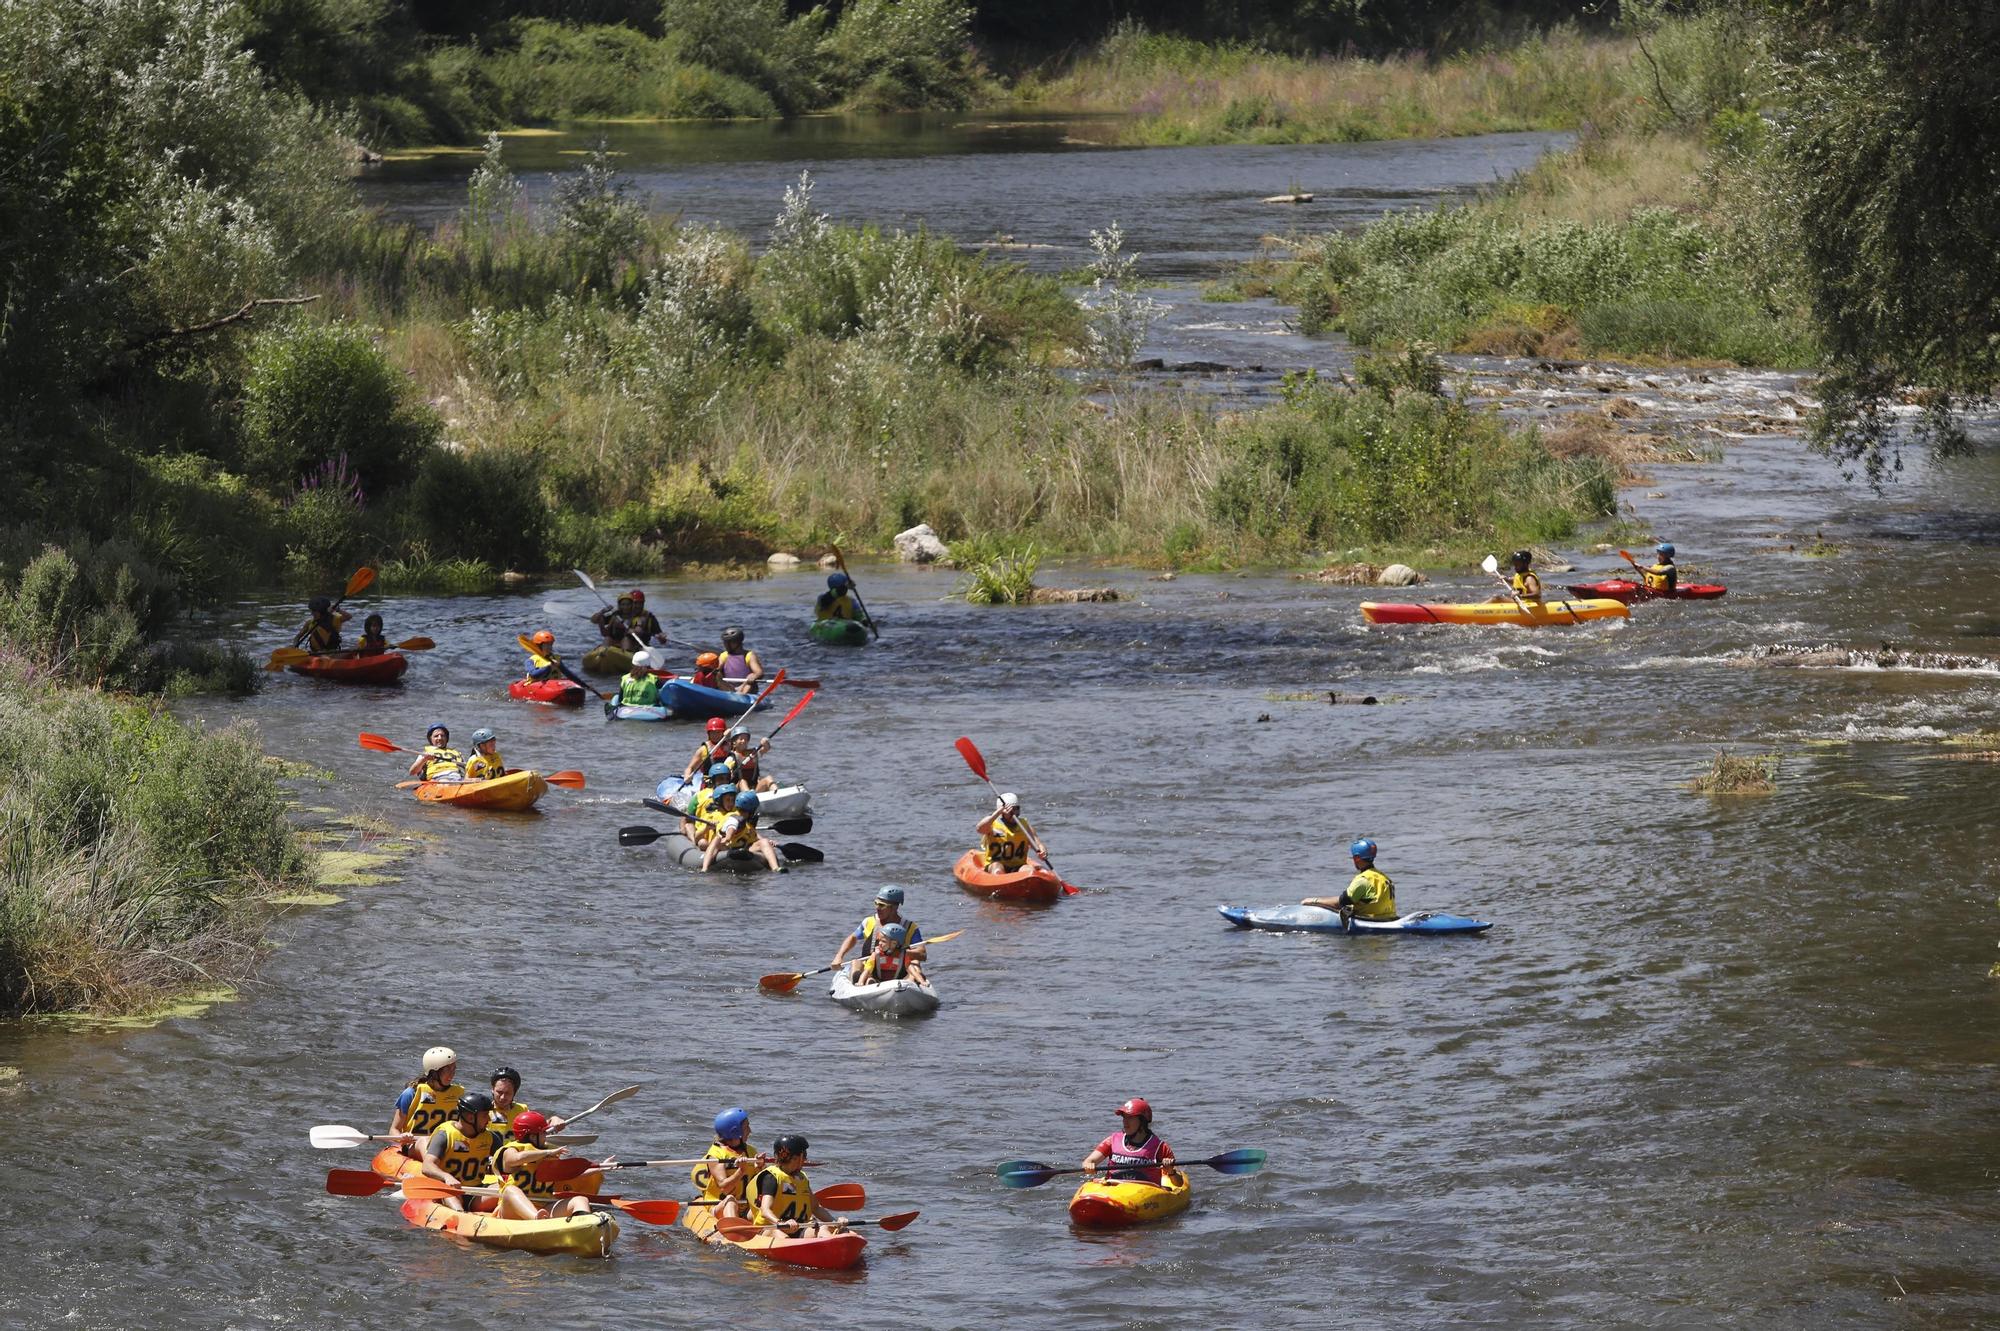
x: 836, y: 1252
x: 1034, y: 884
x: 553, y: 692
x: 586, y: 1235
x: 1116, y: 1203
x: 688, y: 855
x: 513, y: 792
x: 840, y: 632
x: 890, y: 998
x: 783, y: 802
x: 605, y: 659
x: 1494, y: 612
x: 1624, y: 589
x: 353, y: 668
x: 1319, y: 920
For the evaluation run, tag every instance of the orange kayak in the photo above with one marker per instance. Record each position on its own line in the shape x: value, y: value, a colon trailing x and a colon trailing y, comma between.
x: 513, y: 793
x: 1034, y: 884
x: 352, y: 668
x: 586, y: 1235
x: 836, y: 1252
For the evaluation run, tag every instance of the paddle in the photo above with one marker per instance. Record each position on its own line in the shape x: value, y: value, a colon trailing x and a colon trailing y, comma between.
x: 855, y: 588
x: 783, y: 982
x: 639, y: 834
x: 358, y: 1182
x: 570, y: 1138
x: 834, y: 1197
x: 797, y: 707
x: 1033, y: 1174
x: 743, y: 718
x: 568, y: 778
x: 977, y: 762
x: 333, y: 1136
x: 584, y: 578
x: 624, y: 1094
x: 567, y: 674
x: 363, y: 578
x: 1492, y: 565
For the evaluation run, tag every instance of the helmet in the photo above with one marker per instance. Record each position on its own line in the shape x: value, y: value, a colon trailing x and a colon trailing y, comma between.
x: 1524, y: 557
x: 726, y: 792
x: 716, y: 725
x: 1665, y: 547
x: 528, y: 1123
x: 1362, y: 849
x: 477, y: 1103
x: 1137, y: 1107
x: 505, y: 1073
x: 894, y: 934
x: 436, y: 726
x: 642, y: 660
x: 321, y: 604
x: 731, y: 1124
x: 747, y: 802
x: 483, y: 735
x: 720, y: 772
x: 438, y: 1056
x: 791, y: 1144
x: 732, y: 634
x: 892, y: 895
x: 707, y: 661
x: 638, y: 597
x: 839, y: 582
x: 543, y: 638
x: 1010, y: 800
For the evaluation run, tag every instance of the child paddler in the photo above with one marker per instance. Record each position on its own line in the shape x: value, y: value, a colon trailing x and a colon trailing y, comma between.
x: 439, y: 761
x: 738, y: 831
x: 1005, y: 837
x: 725, y: 1181
x: 1135, y: 1144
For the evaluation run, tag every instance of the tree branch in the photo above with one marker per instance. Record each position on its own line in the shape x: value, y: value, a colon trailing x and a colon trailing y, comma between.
x: 250, y: 307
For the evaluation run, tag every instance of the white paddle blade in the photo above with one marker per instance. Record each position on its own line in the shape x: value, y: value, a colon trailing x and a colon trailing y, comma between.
x: 1490, y: 564
x: 571, y: 1139
x: 328, y: 1136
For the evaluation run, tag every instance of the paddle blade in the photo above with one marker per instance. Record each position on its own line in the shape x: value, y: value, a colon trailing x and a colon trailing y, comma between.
x: 1247, y: 1161
x: 898, y: 1221
x: 1024, y: 1173
x: 797, y: 707
x: 732, y: 1228
x: 970, y: 752
x: 562, y: 1171
x: 584, y: 578
x: 639, y: 835
x: 568, y: 779
x: 415, y: 645
x: 842, y: 1196
x: 798, y: 852
x: 653, y: 1213
x: 943, y: 938
x: 363, y: 579
x: 1490, y: 564
x: 799, y: 826
x: 379, y: 743
x: 570, y: 1138
x: 356, y: 1182
x: 419, y: 1188
x: 287, y: 656
x: 329, y: 1136
x: 661, y: 806
x: 782, y: 982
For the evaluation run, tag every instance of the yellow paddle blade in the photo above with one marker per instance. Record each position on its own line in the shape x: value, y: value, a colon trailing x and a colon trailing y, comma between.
x: 287, y: 656
x: 415, y: 645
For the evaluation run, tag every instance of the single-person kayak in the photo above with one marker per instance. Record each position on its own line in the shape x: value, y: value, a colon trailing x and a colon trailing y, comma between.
x: 553, y: 692
x: 619, y: 711
x: 353, y: 668
x: 688, y: 855
x: 1035, y: 885
x: 1319, y: 920
x: 836, y: 1252
x: 890, y: 998
x: 1494, y: 612
x: 1116, y: 1203
x: 606, y: 659
x: 1624, y: 589
x: 783, y: 802
x: 840, y: 632
x: 586, y: 1235
x: 513, y: 792
x: 699, y: 701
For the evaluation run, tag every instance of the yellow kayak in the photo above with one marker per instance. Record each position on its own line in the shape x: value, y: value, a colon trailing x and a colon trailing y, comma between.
x: 586, y: 1235
x: 1114, y: 1203
x: 513, y: 792
x: 1495, y: 612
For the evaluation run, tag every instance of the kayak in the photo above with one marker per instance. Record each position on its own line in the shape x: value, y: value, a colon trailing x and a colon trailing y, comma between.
x: 586, y: 1235
x: 513, y: 792
x: 683, y: 699
x: 605, y: 659
x: 350, y: 668
x: 1494, y: 612
x: 1034, y: 884
x: 840, y: 632
x: 890, y: 998
x: 783, y: 802
x: 620, y: 711
x: 1320, y: 920
x: 688, y: 856
x: 836, y: 1252
x: 554, y: 692
x: 1624, y: 589
x: 1115, y: 1203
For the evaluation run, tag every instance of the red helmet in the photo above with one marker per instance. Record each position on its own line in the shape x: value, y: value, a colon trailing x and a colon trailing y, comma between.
x: 528, y: 1123
x: 637, y: 595
x: 1136, y: 1106
x: 716, y: 725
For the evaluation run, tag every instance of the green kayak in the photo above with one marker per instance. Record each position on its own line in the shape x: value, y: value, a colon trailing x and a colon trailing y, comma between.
x: 604, y: 659
x: 840, y: 632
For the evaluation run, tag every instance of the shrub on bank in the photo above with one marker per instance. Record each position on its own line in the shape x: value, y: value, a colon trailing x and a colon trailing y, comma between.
x: 320, y: 392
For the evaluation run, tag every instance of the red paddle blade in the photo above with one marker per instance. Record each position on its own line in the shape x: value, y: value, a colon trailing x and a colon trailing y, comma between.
x: 379, y: 743
x: 568, y: 779
x: 798, y: 707
x: 842, y: 1197
x: 561, y: 1171
x: 782, y: 983
x: 356, y: 1182
x: 737, y: 1229
x: 970, y: 752
x: 653, y: 1213
x: 899, y: 1220
x: 420, y: 1189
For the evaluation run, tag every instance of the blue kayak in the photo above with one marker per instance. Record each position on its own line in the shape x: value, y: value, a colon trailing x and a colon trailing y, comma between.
x: 683, y: 699
x: 1319, y: 920
x: 620, y: 711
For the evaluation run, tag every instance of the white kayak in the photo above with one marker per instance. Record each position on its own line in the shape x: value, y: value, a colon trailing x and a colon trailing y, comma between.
x: 784, y: 802
x: 1319, y: 920
x: 890, y: 998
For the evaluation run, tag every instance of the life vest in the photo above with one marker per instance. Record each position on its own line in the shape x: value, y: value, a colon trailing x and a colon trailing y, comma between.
x: 1372, y: 895
x: 912, y: 936
x: 1006, y: 845
x: 706, y: 757
x: 735, y: 667
x: 740, y: 839
x: 482, y: 767
x: 1527, y: 586
x: 325, y: 635
x: 431, y: 1108
x: 708, y: 679
x: 522, y: 1177
x: 444, y: 763
x: 504, y: 1123
x: 372, y: 644
x: 639, y: 690
x: 1660, y: 577
x: 792, y: 1199
x: 831, y: 606
x: 647, y: 625
x: 728, y: 1154
x: 1122, y: 1152
x: 745, y: 767
x: 468, y: 1157
x: 884, y: 966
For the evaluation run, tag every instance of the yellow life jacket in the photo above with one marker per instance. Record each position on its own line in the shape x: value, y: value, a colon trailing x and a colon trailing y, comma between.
x: 793, y: 1199
x: 1660, y: 577
x: 730, y: 1155
x: 1372, y: 895
x: 325, y: 635
x: 443, y: 763
x: 830, y: 606
x: 430, y: 1108
x: 1006, y: 845
x: 522, y: 1177
x: 744, y: 836
x: 468, y: 1157
x: 871, y: 924
x: 1527, y: 586
x: 504, y: 1123
x: 484, y: 767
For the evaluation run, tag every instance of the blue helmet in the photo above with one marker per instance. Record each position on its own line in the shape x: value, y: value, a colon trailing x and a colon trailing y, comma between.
x: 436, y: 726
x: 483, y: 735
x: 747, y: 802
x: 839, y: 582
x: 1363, y: 849
x: 720, y: 772
x: 1665, y: 547
x: 892, y: 895
x: 731, y: 1124
x: 895, y: 934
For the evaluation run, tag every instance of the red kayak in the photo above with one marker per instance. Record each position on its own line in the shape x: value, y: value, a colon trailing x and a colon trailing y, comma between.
x: 553, y: 692
x: 1033, y: 884
x: 1624, y: 589
x: 353, y: 668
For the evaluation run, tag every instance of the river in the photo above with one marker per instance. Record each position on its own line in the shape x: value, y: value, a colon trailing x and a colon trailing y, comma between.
x: 1718, y: 1063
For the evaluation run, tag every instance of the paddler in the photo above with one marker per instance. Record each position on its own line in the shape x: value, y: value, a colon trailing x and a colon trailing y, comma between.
x: 428, y: 1101
x: 1005, y: 837
x: 743, y: 758
x: 373, y: 641
x: 523, y: 1147
x: 712, y: 805
x: 439, y: 761
x: 741, y: 670
x: 506, y: 1091
x: 890, y: 959
x: 1369, y: 896
x: 1662, y: 577
x: 782, y: 1194
x: 726, y: 1180
x: 639, y: 687
x: 713, y: 749
x: 835, y: 602
x: 1525, y: 582
x: 1134, y: 1144
x: 485, y: 764
x: 642, y: 623
x: 322, y: 631
x: 888, y: 910
x: 611, y: 623
x: 707, y: 671
x: 468, y: 1151
x: 737, y: 830
x: 542, y: 661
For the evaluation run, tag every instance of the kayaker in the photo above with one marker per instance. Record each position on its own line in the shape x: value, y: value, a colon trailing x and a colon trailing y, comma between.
x: 428, y: 1101
x: 1134, y: 1144
x: 707, y: 671
x: 713, y: 749
x: 737, y: 830
x: 524, y: 1146
x: 439, y: 761
x: 782, y: 1195
x: 1005, y: 837
x: 715, y: 803
x: 468, y: 1151
x: 644, y: 625
x: 612, y: 624
x: 1662, y: 577
x: 1370, y: 896
x: 741, y: 670
x: 322, y: 631
x: 542, y: 661
x: 726, y: 1181
x: 890, y: 958
x: 1525, y: 583
x: 888, y: 910
x: 485, y: 764
x: 373, y: 641
x: 743, y: 758
x: 835, y: 602
x: 639, y: 687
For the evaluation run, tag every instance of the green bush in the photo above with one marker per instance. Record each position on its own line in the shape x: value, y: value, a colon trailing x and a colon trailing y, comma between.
x: 317, y: 393
x: 323, y: 533
x: 481, y: 504
x: 87, y: 616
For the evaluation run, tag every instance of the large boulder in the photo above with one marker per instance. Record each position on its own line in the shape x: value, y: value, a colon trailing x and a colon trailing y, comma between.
x: 1399, y: 575
x: 920, y: 545
x: 783, y: 560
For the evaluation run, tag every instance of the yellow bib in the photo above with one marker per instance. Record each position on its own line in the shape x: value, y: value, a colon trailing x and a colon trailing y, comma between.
x: 793, y: 1199
x: 1006, y: 844
x: 469, y: 1157
x: 729, y: 1155
x: 431, y: 1109
x: 480, y: 767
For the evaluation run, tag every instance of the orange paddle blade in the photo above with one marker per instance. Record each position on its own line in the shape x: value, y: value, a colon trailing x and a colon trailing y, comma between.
x: 653, y: 1213
x: 782, y: 982
x: 561, y: 1171
x: 842, y: 1197
x: 380, y: 744
x: 568, y: 779
x: 356, y: 1182
x: 732, y: 1228
x: 415, y: 645
x: 421, y: 1189
x: 899, y: 1220
x: 363, y: 579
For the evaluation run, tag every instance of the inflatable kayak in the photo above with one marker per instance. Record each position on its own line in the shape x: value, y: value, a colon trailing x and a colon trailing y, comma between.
x: 604, y: 659
x: 840, y: 632
x: 834, y: 1253
x: 1116, y: 1203
x: 1319, y: 920
x: 784, y: 802
x: 890, y: 998
x: 1624, y: 589
x: 513, y: 792
x: 351, y: 668
x: 586, y: 1235
x: 699, y: 701
x: 554, y: 692
x: 688, y: 855
x: 1494, y: 612
x: 619, y: 711
x: 1034, y: 884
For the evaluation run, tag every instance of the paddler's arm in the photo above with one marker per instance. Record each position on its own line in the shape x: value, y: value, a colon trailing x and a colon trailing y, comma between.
x: 433, y: 1151
x: 846, y: 946
x: 1033, y: 840
x: 756, y: 667
x: 1093, y: 1160
x: 708, y: 855
x: 1326, y: 903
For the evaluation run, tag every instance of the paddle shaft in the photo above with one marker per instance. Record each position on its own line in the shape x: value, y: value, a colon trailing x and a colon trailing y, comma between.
x: 773, y: 981
x: 1508, y: 587
x: 360, y: 582
x: 859, y: 604
x: 585, y: 579
x: 567, y: 673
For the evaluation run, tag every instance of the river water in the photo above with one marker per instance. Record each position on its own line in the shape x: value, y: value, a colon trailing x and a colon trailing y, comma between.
x: 1720, y: 1062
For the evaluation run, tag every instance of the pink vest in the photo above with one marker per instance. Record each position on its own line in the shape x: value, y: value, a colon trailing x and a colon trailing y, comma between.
x: 735, y: 665
x: 1122, y: 1153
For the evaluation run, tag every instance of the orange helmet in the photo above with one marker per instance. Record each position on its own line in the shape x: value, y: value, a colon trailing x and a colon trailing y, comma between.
x: 543, y: 638
x: 708, y: 661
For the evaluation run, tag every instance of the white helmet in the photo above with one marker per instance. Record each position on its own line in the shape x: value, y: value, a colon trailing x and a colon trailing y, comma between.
x: 642, y: 660
x: 1010, y: 801
x: 438, y: 1056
